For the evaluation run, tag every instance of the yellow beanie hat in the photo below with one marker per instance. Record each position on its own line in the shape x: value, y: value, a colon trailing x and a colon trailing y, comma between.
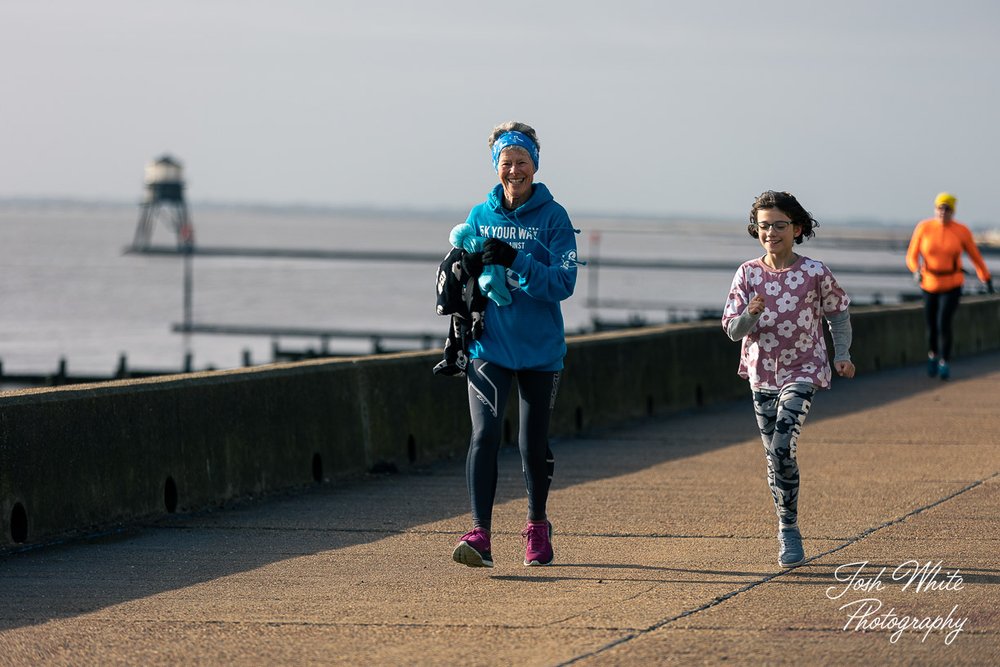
x: 945, y: 198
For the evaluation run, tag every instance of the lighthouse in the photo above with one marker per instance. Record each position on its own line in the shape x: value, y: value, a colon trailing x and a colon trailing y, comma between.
x: 164, y: 199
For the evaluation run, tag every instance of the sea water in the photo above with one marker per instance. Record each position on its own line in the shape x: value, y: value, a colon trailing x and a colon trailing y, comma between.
x: 68, y: 289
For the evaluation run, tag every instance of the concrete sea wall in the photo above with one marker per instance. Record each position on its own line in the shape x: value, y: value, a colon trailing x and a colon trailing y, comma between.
x: 89, y: 457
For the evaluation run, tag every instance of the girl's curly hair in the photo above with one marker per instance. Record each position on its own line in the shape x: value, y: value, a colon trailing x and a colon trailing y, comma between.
x: 787, y: 204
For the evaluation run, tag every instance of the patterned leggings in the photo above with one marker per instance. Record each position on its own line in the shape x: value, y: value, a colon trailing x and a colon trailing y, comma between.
x: 780, y: 416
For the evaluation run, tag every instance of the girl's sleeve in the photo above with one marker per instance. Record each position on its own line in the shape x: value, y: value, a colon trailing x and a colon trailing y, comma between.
x: 842, y: 335
x: 739, y: 327
x: 833, y: 298
x: 555, y: 280
x: 736, y: 320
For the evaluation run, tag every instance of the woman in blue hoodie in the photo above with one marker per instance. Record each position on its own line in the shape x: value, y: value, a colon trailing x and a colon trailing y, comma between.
x: 530, y: 236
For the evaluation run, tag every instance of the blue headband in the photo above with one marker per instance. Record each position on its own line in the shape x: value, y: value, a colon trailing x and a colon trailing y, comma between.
x: 514, y: 138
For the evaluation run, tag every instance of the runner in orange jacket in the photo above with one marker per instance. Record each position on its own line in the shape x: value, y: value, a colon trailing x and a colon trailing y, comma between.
x: 935, y: 258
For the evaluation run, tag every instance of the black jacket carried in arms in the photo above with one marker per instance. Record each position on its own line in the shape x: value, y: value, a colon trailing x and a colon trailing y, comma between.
x: 458, y: 295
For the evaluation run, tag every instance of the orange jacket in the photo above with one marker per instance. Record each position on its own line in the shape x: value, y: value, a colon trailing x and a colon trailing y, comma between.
x: 940, y: 247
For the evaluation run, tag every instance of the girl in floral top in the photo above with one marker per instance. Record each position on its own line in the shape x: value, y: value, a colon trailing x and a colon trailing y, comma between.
x: 776, y: 306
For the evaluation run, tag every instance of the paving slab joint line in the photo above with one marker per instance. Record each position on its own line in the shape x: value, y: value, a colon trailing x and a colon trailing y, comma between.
x: 719, y: 600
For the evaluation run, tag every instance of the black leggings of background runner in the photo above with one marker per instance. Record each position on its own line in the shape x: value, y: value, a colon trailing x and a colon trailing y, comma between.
x: 939, y: 310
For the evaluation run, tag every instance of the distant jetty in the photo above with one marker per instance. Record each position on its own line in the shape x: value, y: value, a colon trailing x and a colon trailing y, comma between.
x: 435, y: 258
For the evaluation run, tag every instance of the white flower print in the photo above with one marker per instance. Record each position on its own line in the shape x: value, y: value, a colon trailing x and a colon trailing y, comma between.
x: 804, y: 342
x: 768, y: 341
x: 787, y: 343
x: 734, y: 303
x: 812, y: 267
x: 786, y: 328
x: 793, y: 279
x: 787, y: 302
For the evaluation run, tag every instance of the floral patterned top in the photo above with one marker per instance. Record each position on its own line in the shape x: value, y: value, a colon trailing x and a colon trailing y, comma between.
x: 786, y: 344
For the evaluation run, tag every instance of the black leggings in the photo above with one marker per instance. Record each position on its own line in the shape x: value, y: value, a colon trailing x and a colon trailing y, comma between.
x: 939, y: 310
x: 489, y: 388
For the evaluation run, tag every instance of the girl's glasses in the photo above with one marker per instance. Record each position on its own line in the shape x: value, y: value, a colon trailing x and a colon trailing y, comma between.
x: 776, y: 226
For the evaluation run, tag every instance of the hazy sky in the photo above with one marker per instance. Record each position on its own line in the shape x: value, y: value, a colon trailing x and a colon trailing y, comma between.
x: 863, y: 108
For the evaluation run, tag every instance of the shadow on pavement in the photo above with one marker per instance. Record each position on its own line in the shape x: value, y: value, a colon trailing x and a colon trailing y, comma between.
x: 87, y: 574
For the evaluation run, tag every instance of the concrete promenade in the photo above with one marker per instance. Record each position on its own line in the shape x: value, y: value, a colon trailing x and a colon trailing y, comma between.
x: 665, y: 554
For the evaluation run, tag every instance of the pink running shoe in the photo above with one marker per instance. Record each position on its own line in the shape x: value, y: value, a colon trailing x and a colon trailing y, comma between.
x: 538, y: 543
x: 474, y: 549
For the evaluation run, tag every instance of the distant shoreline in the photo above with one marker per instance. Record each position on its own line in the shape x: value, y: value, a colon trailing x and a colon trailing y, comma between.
x: 859, y: 231
x: 58, y: 202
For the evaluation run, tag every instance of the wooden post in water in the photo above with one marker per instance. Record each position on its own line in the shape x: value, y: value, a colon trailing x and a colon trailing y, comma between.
x: 188, y: 249
x: 188, y: 285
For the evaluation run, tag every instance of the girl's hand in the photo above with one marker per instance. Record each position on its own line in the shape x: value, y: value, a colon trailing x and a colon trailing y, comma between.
x: 844, y: 368
x: 756, y: 305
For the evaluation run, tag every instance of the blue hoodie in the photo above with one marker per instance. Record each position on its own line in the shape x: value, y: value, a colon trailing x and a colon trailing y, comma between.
x: 528, y: 334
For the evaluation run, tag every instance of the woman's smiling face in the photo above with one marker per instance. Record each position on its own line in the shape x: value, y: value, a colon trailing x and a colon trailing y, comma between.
x: 516, y: 172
